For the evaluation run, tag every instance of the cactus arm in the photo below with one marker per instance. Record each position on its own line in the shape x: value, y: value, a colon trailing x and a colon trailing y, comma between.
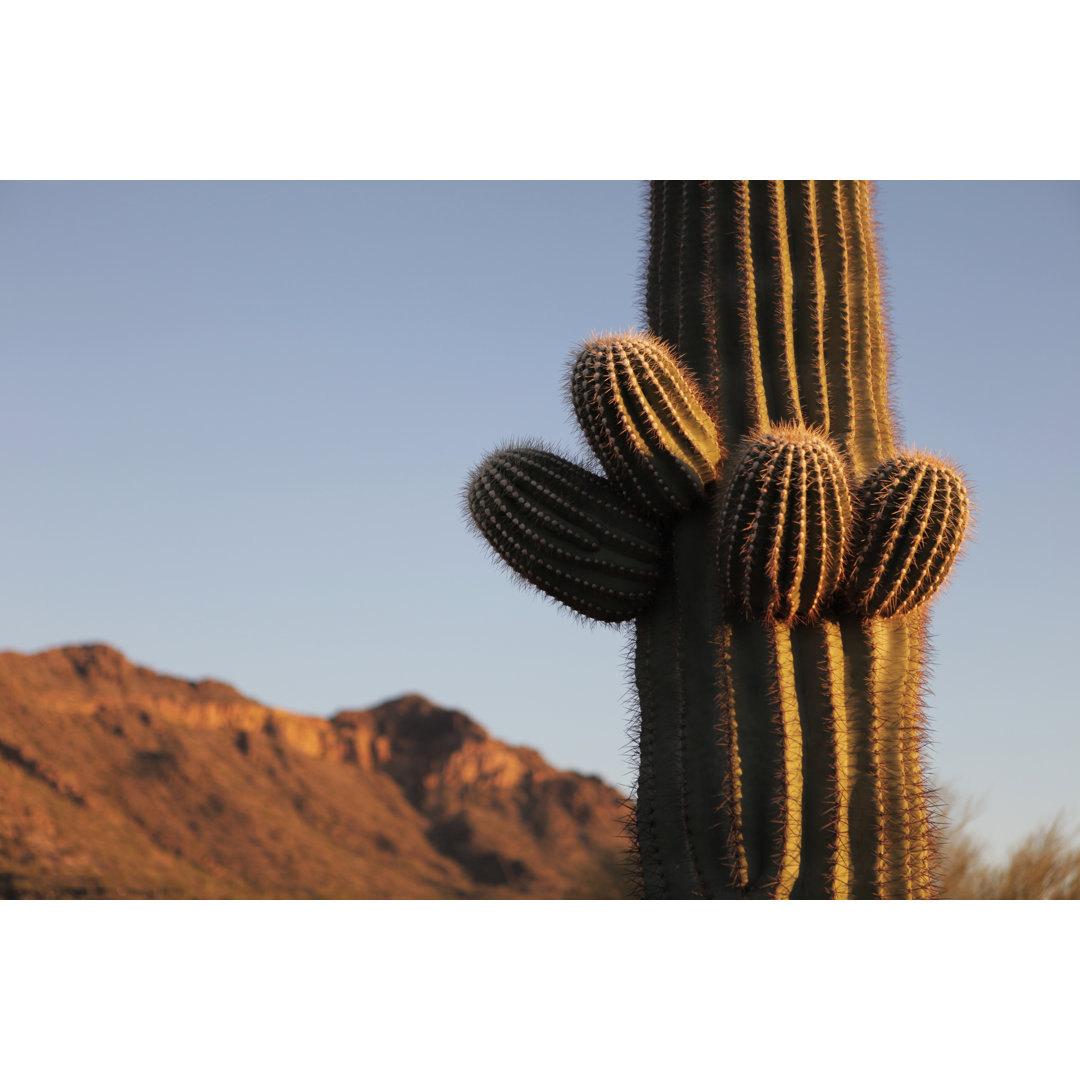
x: 564, y: 530
x: 643, y: 419
x: 914, y: 520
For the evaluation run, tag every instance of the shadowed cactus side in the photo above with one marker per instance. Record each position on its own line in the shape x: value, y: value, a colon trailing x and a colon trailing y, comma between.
x: 566, y: 531
x: 775, y: 548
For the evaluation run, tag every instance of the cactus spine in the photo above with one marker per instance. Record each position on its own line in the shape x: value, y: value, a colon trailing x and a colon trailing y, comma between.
x: 780, y: 642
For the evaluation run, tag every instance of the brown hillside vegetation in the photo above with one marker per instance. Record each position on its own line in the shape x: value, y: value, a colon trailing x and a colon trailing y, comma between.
x: 118, y: 782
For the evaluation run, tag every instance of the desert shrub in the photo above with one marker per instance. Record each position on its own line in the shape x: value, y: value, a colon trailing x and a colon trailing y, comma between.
x: 153, y: 763
x: 1044, y: 866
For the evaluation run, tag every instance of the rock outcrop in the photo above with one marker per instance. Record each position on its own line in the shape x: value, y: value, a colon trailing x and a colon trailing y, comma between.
x: 116, y: 781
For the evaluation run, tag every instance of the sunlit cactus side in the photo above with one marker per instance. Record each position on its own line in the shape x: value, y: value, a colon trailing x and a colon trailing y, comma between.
x: 566, y: 531
x: 779, y: 644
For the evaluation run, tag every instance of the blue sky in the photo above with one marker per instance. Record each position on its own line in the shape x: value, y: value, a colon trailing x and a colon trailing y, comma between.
x: 237, y: 419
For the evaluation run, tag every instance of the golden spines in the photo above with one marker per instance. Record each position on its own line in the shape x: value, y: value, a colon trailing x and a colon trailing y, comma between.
x: 568, y: 532
x: 913, y: 514
x: 644, y: 420
x: 785, y: 526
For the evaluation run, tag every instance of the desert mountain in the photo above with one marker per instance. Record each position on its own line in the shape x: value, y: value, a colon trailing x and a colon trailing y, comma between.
x: 118, y: 782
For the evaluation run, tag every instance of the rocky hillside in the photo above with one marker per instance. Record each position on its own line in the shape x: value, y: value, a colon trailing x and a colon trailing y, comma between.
x: 116, y: 781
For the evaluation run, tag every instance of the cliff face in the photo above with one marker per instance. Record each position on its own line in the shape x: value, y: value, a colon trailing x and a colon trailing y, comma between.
x: 116, y: 781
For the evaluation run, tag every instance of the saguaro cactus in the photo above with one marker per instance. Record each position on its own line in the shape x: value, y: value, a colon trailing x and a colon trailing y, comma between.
x: 775, y: 546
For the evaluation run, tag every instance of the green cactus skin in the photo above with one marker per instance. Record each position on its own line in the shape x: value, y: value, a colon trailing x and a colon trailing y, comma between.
x: 570, y: 533
x: 779, y: 658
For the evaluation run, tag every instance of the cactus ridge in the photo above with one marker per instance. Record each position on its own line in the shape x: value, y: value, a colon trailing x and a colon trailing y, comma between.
x: 566, y: 531
x: 643, y: 419
x: 785, y: 525
x: 914, y: 515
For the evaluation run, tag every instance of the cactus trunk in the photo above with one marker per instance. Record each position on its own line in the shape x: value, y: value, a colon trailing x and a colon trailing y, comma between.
x: 780, y: 639
x: 775, y: 761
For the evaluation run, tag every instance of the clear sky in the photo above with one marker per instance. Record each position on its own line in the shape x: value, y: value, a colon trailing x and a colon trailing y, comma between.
x: 236, y: 420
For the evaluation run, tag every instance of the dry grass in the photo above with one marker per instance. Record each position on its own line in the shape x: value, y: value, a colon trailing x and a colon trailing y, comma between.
x: 1045, y: 866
